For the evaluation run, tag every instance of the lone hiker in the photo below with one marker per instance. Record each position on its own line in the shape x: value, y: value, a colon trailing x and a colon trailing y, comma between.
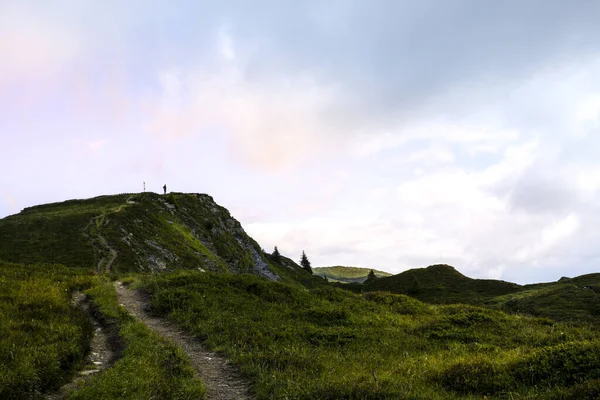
x: 165, y: 188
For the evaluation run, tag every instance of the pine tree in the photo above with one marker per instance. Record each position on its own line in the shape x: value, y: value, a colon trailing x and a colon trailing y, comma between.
x: 371, y: 277
x: 304, y: 263
x: 276, y: 256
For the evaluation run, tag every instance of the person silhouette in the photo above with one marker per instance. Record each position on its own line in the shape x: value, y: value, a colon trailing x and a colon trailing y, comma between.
x: 165, y: 188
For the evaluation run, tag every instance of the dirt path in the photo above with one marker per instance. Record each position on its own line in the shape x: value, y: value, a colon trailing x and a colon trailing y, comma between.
x: 105, y: 348
x: 223, y: 381
x: 111, y: 259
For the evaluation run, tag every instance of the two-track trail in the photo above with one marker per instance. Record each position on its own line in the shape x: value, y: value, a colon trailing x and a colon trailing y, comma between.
x: 223, y: 380
x: 105, y: 348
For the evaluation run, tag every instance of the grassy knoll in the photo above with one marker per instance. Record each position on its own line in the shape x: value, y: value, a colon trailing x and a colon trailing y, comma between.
x: 329, y: 343
x: 43, y: 339
x: 347, y: 274
x: 149, y: 232
x: 150, y: 367
x: 575, y: 300
x: 442, y: 284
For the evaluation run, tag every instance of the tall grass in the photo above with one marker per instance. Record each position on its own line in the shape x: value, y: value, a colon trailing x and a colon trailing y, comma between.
x: 43, y: 338
x: 332, y: 344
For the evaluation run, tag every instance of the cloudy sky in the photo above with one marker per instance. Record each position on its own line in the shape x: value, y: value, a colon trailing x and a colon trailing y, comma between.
x: 386, y: 134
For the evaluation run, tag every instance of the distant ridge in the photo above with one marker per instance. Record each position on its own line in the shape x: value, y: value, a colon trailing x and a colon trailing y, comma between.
x: 347, y: 274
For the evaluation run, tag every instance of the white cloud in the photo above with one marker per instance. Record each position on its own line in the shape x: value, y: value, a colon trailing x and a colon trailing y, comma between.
x: 269, y: 125
x: 96, y: 145
x: 226, y: 45
x: 551, y: 236
x: 33, y: 48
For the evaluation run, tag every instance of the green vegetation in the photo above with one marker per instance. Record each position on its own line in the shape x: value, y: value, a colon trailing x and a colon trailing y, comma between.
x: 575, y: 300
x: 305, y: 264
x: 43, y: 339
x: 329, y: 343
x: 347, y: 274
x: 392, y: 337
x: 442, y: 284
x: 149, y: 233
x: 276, y: 256
x: 150, y: 367
x: 54, y: 233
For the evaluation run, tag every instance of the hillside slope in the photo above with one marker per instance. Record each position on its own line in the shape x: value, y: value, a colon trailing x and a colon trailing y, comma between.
x: 442, y: 284
x: 347, y: 274
x: 135, y: 232
x: 570, y: 299
x: 576, y: 299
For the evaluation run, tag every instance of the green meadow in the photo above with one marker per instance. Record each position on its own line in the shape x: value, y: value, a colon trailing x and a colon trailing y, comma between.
x: 44, y: 340
x: 329, y: 343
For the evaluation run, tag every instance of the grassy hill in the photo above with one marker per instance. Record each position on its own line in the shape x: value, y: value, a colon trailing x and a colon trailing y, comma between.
x: 136, y: 232
x: 442, y: 284
x: 570, y: 299
x: 576, y: 299
x: 293, y: 334
x: 347, y: 274
x: 329, y: 343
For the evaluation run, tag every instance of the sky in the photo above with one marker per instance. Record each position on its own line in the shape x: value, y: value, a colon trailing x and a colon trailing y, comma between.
x: 383, y: 134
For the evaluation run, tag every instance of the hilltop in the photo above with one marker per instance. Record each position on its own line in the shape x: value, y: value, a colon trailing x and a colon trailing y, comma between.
x: 138, y: 233
x: 442, y: 284
x: 347, y: 274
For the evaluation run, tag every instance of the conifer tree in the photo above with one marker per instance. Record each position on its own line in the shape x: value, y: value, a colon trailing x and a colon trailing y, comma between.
x: 276, y: 256
x: 371, y: 276
x: 304, y: 263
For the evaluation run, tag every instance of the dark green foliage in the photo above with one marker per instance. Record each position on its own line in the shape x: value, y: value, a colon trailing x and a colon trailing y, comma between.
x: 572, y: 300
x: 276, y: 256
x: 371, y: 277
x: 564, y: 364
x: 442, y: 284
x: 478, y: 375
x: 304, y: 263
x: 398, y: 303
x: 43, y: 338
x: 587, y: 390
x: 559, y: 367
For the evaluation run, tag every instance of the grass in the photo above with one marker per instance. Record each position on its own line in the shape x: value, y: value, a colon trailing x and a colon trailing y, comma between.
x: 328, y: 343
x: 43, y: 339
x: 299, y: 338
x: 149, y: 232
x: 442, y: 284
x: 150, y: 367
x: 563, y: 301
